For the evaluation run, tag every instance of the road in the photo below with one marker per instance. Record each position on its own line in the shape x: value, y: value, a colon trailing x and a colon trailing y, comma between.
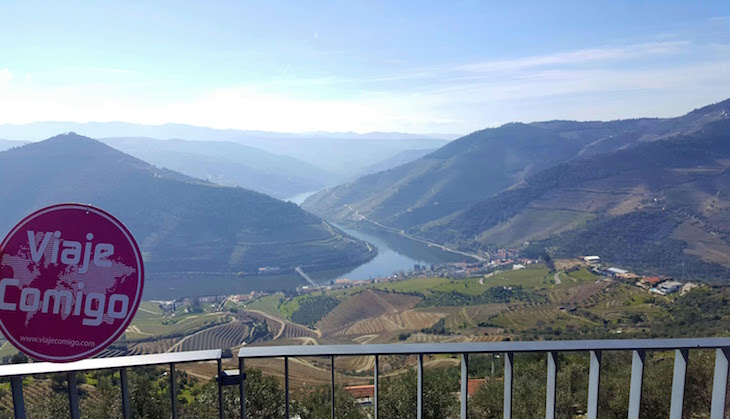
x: 557, y: 278
x: 361, y: 217
x: 274, y: 318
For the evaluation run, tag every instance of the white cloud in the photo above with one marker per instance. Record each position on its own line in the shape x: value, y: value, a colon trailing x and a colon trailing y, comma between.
x: 579, y: 57
x: 5, y: 77
x: 586, y: 84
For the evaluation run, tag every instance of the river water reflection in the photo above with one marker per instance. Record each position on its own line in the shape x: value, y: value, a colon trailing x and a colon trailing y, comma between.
x: 395, y: 254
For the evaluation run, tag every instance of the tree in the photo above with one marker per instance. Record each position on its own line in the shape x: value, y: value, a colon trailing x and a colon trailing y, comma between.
x: 264, y: 399
x: 316, y: 404
x: 106, y: 404
x: 148, y: 397
x: 399, y: 399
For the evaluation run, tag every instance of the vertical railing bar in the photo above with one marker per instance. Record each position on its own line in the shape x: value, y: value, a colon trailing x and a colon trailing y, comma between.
x: 286, y: 386
x: 173, y: 392
x: 507, y: 407
x: 719, y: 383
x: 332, y: 384
x: 126, y: 407
x: 552, y: 372
x: 637, y: 383
x: 220, y: 388
x: 679, y: 377
x: 375, y: 387
x: 16, y: 384
x: 594, y: 381
x: 73, y: 395
x: 242, y: 387
x: 464, y: 384
x: 419, y: 400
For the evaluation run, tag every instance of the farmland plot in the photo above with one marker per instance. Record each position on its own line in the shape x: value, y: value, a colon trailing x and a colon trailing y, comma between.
x: 224, y: 336
x: 366, y: 304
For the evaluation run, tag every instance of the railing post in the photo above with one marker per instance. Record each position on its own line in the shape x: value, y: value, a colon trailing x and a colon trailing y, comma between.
x: 242, y: 388
x: 16, y: 384
x: 678, y: 380
x: 552, y: 372
x: 173, y: 392
x: 594, y: 380
x: 220, y: 389
x: 719, y: 383
x: 286, y: 386
x: 637, y: 383
x: 419, y: 400
x: 126, y: 407
x: 332, y: 384
x: 464, y: 385
x: 507, y: 407
x: 73, y: 395
x: 375, y: 387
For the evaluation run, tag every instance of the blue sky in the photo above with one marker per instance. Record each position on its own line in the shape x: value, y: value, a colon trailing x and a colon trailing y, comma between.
x: 425, y: 67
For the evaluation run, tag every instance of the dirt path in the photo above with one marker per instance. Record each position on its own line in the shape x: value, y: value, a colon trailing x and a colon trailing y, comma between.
x: 274, y: 318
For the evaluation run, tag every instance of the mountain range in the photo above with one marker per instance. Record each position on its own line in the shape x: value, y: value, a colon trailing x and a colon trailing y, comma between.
x: 228, y: 163
x: 556, y: 184
x: 181, y: 223
x: 278, y: 164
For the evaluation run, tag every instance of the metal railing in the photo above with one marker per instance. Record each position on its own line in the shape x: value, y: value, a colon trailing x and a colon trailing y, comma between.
x: 595, y: 348
x: 16, y: 372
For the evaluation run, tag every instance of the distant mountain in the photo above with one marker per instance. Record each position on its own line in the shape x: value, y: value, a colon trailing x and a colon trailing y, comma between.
x: 6, y: 144
x: 399, y: 159
x: 342, y: 154
x: 477, y: 166
x: 229, y: 164
x: 182, y: 224
x: 660, y: 206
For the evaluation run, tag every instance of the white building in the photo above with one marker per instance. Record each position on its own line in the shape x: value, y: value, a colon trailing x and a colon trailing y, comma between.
x: 591, y: 259
x: 617, y: 271
x: 668, y: 287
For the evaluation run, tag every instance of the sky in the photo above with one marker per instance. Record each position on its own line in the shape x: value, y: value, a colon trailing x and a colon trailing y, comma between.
x: 300, y: 66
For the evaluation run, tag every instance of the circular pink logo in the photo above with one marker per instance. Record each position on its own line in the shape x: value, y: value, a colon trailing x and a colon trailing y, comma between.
x: 71, y: 279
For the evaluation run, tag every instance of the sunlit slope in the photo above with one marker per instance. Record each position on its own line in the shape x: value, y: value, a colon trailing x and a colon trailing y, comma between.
x: 182, y: 224
x: 477, y: 166
x: 659, y: 206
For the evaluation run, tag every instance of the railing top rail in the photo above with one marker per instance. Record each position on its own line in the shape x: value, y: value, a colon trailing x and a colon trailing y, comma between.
x: 484, y: 347
x: 34, y: 368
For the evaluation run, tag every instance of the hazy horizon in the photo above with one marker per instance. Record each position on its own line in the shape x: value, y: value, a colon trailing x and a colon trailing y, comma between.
x: 362, y: 66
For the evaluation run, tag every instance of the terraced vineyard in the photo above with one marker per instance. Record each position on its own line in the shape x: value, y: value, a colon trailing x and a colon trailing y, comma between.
x: 406, y: 320
x: 576, y: 294
x: 297, y: 331
x: 223, y: 336
x: 368, y: 303
x: 154, y: 347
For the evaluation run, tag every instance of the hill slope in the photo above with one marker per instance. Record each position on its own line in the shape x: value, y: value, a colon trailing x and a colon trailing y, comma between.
x: 659, y: 206
x: 181, y: 223
x: 475, y: 167
x: 6, y: 144
x: 228, y: 163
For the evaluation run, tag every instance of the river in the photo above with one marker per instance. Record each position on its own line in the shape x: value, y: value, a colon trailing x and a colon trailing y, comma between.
x: 395, y: 254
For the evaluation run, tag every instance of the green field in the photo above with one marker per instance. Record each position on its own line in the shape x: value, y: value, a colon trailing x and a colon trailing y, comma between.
x: 268, y: 304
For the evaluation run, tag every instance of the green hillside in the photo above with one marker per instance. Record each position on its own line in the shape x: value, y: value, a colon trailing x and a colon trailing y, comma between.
x: 661, y: 206
x: 182, y: 224
x: 477, y: 166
